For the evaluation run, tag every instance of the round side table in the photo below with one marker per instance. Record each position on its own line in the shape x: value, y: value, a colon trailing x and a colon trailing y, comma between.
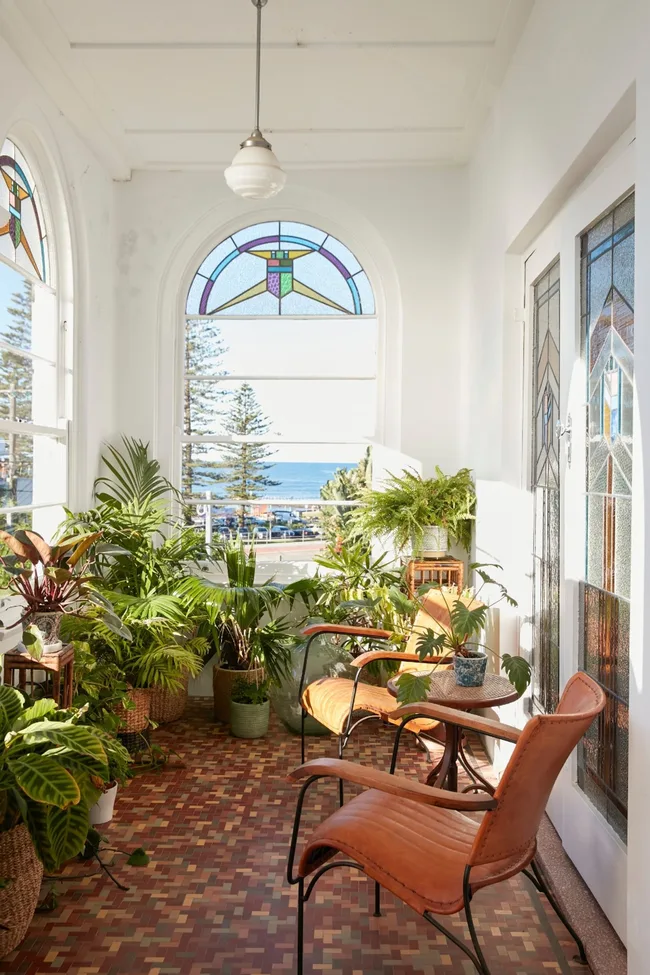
x: 494, y: 692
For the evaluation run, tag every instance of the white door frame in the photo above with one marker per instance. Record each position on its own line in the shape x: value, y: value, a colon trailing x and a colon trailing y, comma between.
x: 597, y: 851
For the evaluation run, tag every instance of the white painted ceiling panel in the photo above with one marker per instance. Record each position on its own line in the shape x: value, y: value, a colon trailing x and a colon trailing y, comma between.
x: 169, y: 83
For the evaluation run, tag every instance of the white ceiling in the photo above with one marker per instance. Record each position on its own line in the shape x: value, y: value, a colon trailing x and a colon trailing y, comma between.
x: 168, y: 84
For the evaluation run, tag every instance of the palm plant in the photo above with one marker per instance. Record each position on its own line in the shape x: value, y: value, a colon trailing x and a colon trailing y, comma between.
x: 409, y: 504
x: 245, y: 631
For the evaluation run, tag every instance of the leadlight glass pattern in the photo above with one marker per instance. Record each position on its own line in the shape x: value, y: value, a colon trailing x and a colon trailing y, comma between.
x: 23, y: 238
x: 280, y: 268
x: 546, y: 490
x: 608, y: 350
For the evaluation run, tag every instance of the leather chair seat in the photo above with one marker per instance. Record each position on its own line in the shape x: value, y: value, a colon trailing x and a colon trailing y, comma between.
x: 328, y: 700
x: 418, y: 852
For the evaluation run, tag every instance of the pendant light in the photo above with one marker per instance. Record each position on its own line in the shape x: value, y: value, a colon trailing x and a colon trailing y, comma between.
x: 255, y: 172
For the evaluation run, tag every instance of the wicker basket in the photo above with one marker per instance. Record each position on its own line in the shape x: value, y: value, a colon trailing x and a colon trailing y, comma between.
x: 222, y: 681
x: 168, y: 706
x: 20, y: 865
x: 135, y: 719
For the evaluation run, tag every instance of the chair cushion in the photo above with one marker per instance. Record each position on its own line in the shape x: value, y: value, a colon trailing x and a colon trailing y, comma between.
x: 417, y: 852
x: 328, y: 700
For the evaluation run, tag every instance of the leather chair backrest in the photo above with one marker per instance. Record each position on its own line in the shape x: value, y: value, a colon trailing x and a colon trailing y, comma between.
x: 544, y: 746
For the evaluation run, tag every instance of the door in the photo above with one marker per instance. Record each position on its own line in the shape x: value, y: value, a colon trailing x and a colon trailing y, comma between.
x: 580, y: 484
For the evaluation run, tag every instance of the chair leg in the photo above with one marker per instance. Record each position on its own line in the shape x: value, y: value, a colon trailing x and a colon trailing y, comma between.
x: 340, y: 741
x: 301, y: 935
x: 377, y: 912
x: 544, y: 888
x: 467, y: 896
x: 302, y: 736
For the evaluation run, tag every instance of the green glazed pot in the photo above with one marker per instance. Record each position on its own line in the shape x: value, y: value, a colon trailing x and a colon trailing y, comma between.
x: 249, y: 720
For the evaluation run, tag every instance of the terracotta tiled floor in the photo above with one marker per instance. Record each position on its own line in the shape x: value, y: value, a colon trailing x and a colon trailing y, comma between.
x: 214, y: 898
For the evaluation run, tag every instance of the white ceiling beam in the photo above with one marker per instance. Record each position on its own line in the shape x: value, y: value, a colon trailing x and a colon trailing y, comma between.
x: 38, y: 41
x: 271, y: 45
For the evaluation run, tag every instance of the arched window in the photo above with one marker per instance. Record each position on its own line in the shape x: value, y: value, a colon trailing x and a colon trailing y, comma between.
x: 32, y: 421
x: 280, y: 364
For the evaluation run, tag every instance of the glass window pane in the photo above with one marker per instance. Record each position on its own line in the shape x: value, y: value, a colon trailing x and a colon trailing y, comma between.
x: 281, y: 348
x: 289, y: 410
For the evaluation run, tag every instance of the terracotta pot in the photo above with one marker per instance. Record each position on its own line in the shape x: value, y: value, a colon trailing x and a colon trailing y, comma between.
x: 222, y: 681
x: 21, y: 867
x: 166, y: 706
x: 102, y: 811
x: 135, y: 719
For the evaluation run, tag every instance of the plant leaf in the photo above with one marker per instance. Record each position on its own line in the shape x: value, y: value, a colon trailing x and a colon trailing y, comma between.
x: 139, y: 858
x: 22, y: 547
x: 41, y: 546
x: 412, y: 687
x: 67, y: 830
x: 38, y: 710
x: 74, y: 738
x: 517, y: 670
x: 12, y: 703
x: 44, y: 780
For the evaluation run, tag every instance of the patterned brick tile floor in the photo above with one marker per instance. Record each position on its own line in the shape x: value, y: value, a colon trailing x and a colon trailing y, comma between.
x: 214, y: 899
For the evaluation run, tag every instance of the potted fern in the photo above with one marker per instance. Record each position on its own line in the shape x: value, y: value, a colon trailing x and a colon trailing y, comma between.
x: 424, y: 513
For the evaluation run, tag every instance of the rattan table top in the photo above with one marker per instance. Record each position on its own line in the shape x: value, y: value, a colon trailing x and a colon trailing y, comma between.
x: 495, y: 691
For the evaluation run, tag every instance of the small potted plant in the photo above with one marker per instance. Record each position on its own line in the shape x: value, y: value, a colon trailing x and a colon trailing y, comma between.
x: 459, y: 621
x: 52, y: 580
x: 249, y: 709
x: 424, y: 513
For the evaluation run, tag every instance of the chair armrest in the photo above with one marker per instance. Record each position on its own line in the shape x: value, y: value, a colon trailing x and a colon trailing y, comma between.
x: 344, y: 630
x: 370, y: 655
x: 395, y: 785
x: 463, y: 719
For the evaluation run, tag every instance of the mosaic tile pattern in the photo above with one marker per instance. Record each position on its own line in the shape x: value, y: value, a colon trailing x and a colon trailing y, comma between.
x: 214, y: 898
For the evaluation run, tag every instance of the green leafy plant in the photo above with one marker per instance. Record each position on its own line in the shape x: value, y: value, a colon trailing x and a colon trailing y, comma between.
x: 409, y: 504
x: 246, y: 631
x: 52, y: 769
x: 459, y: 637
x: 337, y: 521
x: 248, y: 692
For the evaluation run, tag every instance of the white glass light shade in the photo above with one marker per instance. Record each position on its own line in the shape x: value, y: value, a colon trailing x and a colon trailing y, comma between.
x: 255, y: 173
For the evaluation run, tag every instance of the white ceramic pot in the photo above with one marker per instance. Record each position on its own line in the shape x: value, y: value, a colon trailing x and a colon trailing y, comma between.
x: 102, y: 811
x: 435, y: 542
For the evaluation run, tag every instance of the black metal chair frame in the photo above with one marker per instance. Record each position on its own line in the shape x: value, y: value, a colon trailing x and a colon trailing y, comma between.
x: 476, y: 956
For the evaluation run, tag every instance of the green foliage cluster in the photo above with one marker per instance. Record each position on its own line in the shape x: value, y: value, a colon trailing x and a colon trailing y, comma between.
x: 461, y: 638
x: 337, y: 522
x: 248, y: 692
x: 52, y: 769
x: 409, y: 503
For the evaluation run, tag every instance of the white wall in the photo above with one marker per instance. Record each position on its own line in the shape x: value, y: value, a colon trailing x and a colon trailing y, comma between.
x: 568, y: 96
x: 406, y: 225
x: 75, y: 182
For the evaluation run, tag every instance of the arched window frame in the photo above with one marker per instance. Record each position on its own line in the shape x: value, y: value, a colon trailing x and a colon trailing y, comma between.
x: 48, y: 427
x: 378, y: 315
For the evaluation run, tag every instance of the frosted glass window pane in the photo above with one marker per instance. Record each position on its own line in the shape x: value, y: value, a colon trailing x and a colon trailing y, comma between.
x: 297, y: 409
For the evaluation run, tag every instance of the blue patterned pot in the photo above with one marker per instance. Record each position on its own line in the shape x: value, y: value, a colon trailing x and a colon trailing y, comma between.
x: 470, y: 671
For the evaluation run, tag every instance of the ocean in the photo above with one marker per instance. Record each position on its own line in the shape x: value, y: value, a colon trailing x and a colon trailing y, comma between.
x: 296, y: 480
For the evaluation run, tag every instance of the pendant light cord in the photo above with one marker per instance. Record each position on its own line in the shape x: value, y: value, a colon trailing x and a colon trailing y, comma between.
x: 258, y: 4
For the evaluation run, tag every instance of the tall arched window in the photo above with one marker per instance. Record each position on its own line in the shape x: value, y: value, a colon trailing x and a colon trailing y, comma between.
x: 32, y: 412
x: 280, y: 364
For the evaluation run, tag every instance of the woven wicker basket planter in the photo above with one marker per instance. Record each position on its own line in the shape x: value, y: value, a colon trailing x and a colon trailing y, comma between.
x: 222, y: 681
x: 166, y: 706
x: 20, y: 865
x: 249, y: 720
x: 137, y: 718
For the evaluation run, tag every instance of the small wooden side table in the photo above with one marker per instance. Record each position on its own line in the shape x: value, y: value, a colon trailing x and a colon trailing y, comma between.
x: 20, y: 668
x: 495, y: 691
x: 438, y: 572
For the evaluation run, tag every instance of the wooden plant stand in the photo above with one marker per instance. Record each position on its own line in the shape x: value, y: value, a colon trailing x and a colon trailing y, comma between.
x: 20, y: 668
x: 437, y: 572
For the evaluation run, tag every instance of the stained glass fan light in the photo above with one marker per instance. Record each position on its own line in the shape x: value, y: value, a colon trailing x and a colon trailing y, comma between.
x: 280, y: 268
x: 22, y: 238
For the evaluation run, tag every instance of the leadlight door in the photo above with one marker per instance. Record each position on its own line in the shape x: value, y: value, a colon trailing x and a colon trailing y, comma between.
x: 607, y: 334
x: 545, y: 486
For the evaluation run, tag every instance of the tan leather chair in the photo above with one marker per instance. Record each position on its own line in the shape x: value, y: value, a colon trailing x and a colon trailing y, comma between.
x: 438, y: 863
x: 334, y: 701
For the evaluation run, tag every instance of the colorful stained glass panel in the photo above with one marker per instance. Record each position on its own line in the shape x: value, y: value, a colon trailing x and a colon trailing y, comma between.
x: 545, y: 486
x: 23, y: 239
x: 608, y: 346
x: 280, y: 268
